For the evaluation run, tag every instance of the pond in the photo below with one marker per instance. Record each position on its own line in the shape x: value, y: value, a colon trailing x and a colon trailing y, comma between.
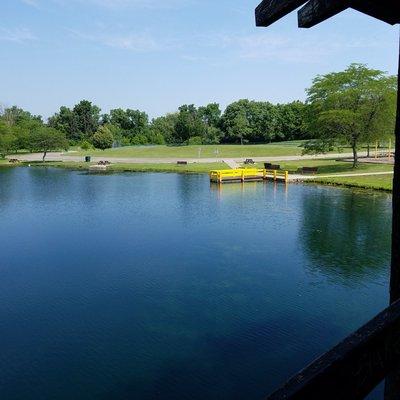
x: 162, y: 286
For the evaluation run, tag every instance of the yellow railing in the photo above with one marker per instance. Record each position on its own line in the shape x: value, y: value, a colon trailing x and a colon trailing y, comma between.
x: 242, y: 173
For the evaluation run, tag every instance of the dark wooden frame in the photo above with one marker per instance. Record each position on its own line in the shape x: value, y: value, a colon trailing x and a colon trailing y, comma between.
x: 354, y: 367
x: 315, y: 11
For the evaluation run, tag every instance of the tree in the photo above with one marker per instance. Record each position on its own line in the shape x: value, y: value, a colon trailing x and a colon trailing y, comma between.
x: 240, y: 127
x: 87, y: 116
x: 79, y: 123
x: 164, y: 126
x: 15, y: 115
x: 235, y: 122
x: 47, y: 139
x: 133, y: 124
x: 103, y: 138
x: 8, y: 141
x: 210, y: 115
x: 350, y: 108
x: 258, y: 119
x: 289, y: 124
x: 66, y: 121
x: 188, y: 124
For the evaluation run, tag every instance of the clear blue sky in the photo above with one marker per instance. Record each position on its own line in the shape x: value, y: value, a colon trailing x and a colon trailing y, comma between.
x: 156, y: 55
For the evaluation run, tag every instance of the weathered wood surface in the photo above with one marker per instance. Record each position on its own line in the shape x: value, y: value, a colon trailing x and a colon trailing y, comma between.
x: 385, y: 10
x: 354, y: 367
x: 316, y: 11
x: 395, y: 262
x: 269, y: 11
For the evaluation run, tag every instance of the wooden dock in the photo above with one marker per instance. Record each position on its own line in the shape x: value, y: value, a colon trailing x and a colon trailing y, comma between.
x: 98, y: 168
x: 247, y: 175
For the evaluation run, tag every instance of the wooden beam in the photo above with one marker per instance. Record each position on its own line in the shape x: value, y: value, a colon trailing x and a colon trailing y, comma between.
x: 269, y: 11
x: 316, y: 11
x: 354, y: 367
x: 384, y: 10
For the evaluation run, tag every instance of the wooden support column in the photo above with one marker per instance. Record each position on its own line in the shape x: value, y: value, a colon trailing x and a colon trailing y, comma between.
x: 395, y: 262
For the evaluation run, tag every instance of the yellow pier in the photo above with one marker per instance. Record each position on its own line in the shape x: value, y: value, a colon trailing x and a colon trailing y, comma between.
x: 247, y: 174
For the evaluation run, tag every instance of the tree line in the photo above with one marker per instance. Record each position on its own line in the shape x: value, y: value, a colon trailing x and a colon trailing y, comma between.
x: 352, y: 107
x: 243, y: 121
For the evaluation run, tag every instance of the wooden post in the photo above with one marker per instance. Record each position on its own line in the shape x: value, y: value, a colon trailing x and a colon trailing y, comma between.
x: 274, y: 174
x: 390, y: 148
x: 395, y: 262
x: 392, y: 382
x: 376, y: 150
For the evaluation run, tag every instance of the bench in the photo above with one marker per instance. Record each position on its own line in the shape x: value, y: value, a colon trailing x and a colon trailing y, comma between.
x: 13, y: 160
x: 272, y: 166
x: 249, y: 161
x: 103, y: 162
x: 182, y: 162
x: 308, y: 170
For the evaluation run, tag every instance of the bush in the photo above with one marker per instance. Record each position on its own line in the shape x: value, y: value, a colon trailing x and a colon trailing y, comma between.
x: 103, y: 138
x: 139, y: 139
x: 85, y: 145
x: 195, y: 140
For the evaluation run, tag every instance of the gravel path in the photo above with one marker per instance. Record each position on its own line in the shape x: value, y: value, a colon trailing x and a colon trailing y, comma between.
x: 151, y: 160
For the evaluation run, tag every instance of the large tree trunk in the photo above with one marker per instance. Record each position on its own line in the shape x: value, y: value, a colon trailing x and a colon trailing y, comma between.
x: 355, y: 155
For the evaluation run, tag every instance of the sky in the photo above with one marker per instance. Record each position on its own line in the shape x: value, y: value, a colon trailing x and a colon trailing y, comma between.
x: 156, y: 55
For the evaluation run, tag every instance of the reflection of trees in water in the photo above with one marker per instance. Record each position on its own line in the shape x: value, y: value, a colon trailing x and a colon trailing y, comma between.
x: 345, y: 233
x: 7, y: 190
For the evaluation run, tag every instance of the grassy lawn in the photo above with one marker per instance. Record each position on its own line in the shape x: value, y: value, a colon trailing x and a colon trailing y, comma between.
x: 327, y: 167
x: 5, y: 163
x: 380, y: 182
x: 190, y: 168
x: 207, y: 151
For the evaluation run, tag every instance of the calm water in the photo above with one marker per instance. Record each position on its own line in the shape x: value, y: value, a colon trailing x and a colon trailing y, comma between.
x: 158, y: 286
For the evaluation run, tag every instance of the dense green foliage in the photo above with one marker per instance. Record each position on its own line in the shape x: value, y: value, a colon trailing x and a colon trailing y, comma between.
x: 103, y: 138
x: 352, y: 107
x: 20, y: 130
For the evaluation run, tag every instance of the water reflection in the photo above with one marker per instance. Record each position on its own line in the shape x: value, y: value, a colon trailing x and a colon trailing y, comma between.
x: 150, y: 286
x: 345, y: 233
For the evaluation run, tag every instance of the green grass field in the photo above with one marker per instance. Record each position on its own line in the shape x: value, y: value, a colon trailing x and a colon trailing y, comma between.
x: 330, y: 166
x: 190, y: 168
x: 199, y: 151
x: 377, y: 182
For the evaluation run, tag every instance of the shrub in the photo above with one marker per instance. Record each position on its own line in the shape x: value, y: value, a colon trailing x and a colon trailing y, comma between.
x: 85, y: 145
x: 103, y: 138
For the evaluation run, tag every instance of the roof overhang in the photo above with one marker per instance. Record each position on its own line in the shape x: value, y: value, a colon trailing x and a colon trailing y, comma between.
x: 315, y: 11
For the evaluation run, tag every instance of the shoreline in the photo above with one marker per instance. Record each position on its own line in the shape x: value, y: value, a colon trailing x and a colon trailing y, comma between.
x: 182, y: 169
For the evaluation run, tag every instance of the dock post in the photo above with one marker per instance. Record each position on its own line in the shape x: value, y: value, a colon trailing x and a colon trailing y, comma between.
x: 264, y: 174
x: 274, y: 174
x: 243, y: 175
x: 286, y: 176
